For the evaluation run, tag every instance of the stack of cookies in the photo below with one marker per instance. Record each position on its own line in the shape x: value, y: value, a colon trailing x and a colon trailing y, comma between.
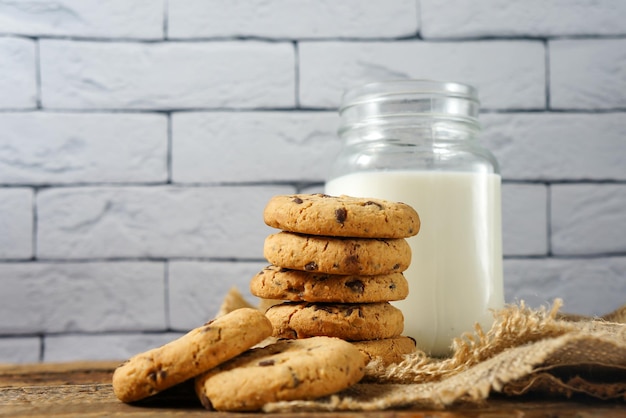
x: 335, y: 266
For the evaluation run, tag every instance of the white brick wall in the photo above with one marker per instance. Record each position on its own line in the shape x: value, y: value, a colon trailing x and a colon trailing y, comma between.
x: 138, y: 19
x: 44, y: 297
x: 509, y: 74
x: 16, y: 223
x: 166, y: 75
x: 292, y: 19
x: 18, y: 74
x: 141, y: 139
x: 588, y: 74
x: 69, y: 148
x: 247, y: 147
x: 536, y: 18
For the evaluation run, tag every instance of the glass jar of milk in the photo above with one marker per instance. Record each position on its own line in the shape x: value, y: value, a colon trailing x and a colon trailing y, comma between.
x: 415, y: 141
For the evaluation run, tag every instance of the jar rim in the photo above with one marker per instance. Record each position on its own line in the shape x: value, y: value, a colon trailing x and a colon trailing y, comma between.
x: 392, y: 89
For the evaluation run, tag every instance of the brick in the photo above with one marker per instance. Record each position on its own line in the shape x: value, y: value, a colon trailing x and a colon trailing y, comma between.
x: 141, y: 19
x: 593, y: 286
x: 75, y: 297
x: 91, y: 75
x: 292, y: 20
x: 588, y: 218
x: 225, y: 222
x: 508, y: 74
x: 18, y: 79
x: 524, y: 219
x: 16, y: 223
x: 19, y: 349
x: 48, y: 148
x: 557, y: 146
x: 197, y: 289
x: 536, y: 18
x: 588, y: 73
x: 255, y: 146
x: 62, y: 348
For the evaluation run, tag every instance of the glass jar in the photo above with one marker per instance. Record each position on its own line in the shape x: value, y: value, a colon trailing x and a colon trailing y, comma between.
x: 415, y: 141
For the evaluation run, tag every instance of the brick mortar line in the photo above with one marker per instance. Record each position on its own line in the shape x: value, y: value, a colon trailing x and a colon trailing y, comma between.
x: 297, y: 185
x: 348, y: 39
x: 546, y: 49
x: 166, y: 17
x: 300, y: 109
x: 549, y: 220
x: 164, y: 261
x: 35, y: 230
x: 166, y: 295
x: 42, y: 347
x: 170, y: 146
x: 38, y: 99
x: 42, y: 186
x: 296, y: 56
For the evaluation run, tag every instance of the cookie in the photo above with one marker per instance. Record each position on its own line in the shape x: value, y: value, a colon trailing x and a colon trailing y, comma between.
x: 195, y: 352
x: 284, y: 371
x: 388, y: 350
x: 334, y: 255
x: 280, y: 283
x: 343, y: 216
x: 352, y: 322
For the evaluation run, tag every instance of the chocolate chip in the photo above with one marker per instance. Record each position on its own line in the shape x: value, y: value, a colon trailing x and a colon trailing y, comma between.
x: 294, y: 377
x: 162, y: 374
x: 312, y: 266
x: 152, y: 376
x: 325, y: 308
x: 340, y: 215
x: 264, y: 363
x: 297, y: 200
x: 356, y: 286
x: 396, y: 266
x: 392, y: 286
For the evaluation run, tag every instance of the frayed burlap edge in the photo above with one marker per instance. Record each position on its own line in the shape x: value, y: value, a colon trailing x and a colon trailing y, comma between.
x: 520, y: 350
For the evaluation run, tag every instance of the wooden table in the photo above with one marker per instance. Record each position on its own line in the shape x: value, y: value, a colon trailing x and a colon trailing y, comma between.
x: 84, y: 390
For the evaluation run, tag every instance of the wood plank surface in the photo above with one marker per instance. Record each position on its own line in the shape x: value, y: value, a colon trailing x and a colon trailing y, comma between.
x: 84, y: 390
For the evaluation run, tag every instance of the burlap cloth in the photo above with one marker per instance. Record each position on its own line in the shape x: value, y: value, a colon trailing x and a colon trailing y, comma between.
x: 526, y: 350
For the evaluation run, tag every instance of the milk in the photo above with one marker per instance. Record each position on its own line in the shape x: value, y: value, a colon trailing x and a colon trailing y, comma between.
x: 455, y: 276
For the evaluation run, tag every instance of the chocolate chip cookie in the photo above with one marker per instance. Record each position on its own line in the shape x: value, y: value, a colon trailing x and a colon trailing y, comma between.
x: 286, y: 370
x: 352, y: 322
x: 345, y: 216
x: 195, y: 352
x: 388, y: 350
x: 335, y: 255
x: 275, y: 282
